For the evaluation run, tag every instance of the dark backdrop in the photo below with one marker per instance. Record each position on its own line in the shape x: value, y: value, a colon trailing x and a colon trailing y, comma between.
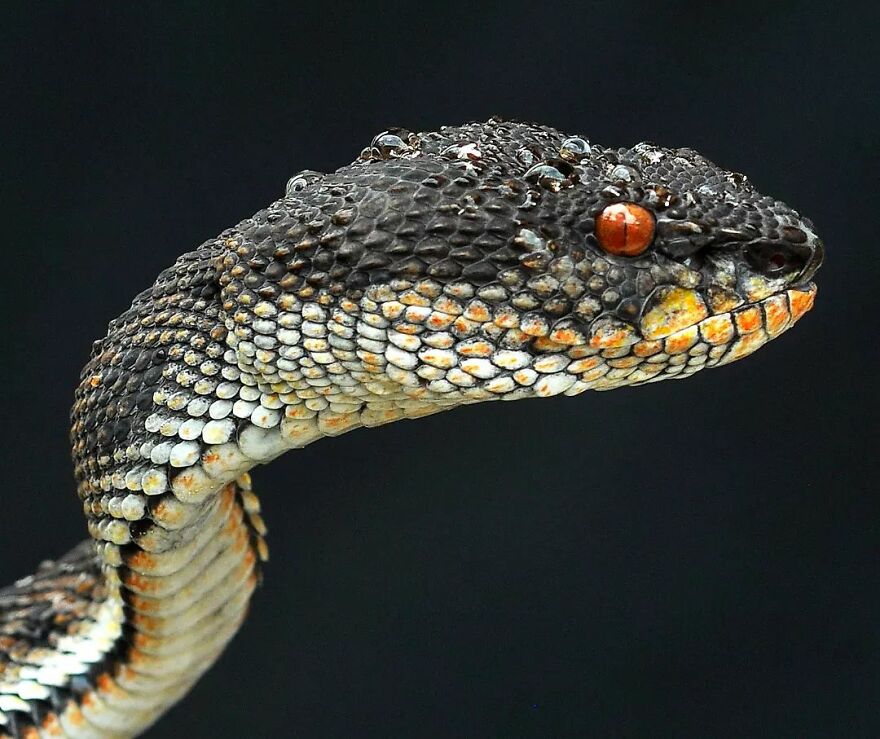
x: 686, y: 559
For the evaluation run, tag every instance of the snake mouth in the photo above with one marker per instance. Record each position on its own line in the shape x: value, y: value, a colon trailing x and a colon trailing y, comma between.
x: 801, y: 297
x: 740, y: 332
x: 680, y: 336
x: 804, y: 287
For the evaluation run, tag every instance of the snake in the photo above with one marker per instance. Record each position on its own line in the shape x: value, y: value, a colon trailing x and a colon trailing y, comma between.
x: 496, y: 260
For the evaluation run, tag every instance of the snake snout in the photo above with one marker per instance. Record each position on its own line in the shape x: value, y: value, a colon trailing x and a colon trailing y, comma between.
x: 816, y: 257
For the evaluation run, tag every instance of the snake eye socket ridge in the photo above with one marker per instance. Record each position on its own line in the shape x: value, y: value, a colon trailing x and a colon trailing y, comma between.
x: 492, y: 260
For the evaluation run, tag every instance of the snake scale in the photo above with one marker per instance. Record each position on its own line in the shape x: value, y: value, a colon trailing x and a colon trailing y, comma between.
x: 493, y: 260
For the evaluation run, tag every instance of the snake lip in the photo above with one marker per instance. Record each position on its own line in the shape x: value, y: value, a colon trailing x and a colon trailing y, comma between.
x: 803, y: 287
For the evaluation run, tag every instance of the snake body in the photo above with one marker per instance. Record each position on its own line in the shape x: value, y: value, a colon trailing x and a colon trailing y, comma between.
x: 495, y: 260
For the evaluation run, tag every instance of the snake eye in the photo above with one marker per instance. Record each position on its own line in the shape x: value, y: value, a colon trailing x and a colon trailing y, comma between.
x: 625, y: 229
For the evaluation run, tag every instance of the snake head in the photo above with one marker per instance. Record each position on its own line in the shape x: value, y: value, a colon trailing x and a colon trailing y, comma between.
x: 505, y: 260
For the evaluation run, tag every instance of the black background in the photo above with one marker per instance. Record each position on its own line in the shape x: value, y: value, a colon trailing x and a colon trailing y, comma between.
x: 686, y: 559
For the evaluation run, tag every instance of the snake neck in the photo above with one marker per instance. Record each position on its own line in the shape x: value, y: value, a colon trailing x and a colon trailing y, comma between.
x: 165, y: 584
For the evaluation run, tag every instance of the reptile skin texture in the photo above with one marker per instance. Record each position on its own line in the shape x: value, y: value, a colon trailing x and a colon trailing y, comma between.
x: 491, y: 261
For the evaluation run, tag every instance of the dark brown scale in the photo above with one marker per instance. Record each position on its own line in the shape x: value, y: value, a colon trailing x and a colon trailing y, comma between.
x: 115, y: 378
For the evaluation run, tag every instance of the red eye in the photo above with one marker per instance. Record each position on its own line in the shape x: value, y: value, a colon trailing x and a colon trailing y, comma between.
x: 625, y: 229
